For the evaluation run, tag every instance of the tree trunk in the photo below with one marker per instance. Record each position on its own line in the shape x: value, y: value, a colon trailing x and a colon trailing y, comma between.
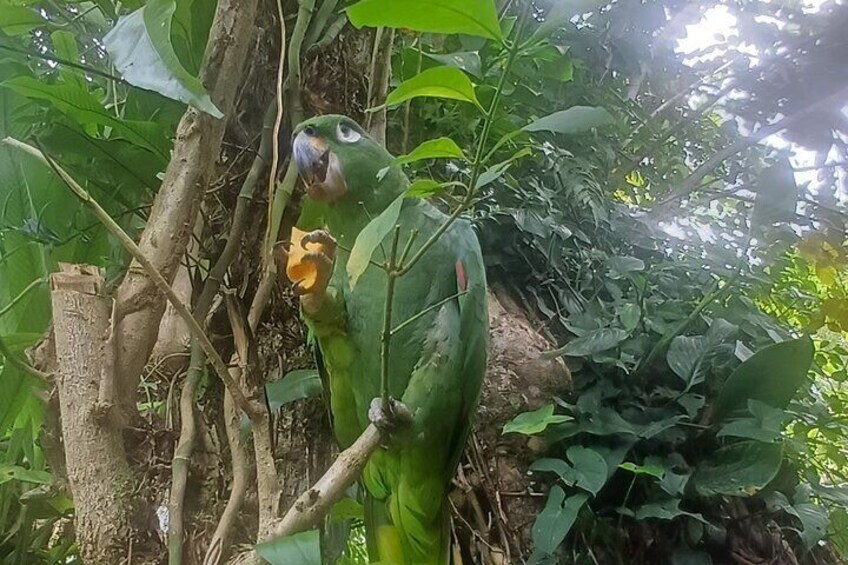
x: 98, y: 474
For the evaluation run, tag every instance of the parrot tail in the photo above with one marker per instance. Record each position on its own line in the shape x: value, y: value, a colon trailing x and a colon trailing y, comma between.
x: 396, y: 535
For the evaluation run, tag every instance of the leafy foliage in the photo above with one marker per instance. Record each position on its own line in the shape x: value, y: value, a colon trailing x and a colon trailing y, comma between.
x: 700, y: 301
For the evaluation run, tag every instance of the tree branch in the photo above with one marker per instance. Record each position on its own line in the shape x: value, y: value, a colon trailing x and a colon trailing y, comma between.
x: 168, y: 230
x: 690, y: 184
x: 316, y: 502
x: 153, y: 274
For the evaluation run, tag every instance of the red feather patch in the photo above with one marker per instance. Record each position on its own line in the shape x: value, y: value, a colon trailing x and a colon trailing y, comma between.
x: 460, y: 276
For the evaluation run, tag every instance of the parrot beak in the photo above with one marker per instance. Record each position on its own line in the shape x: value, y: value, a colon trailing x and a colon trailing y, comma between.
x: 318, y: 167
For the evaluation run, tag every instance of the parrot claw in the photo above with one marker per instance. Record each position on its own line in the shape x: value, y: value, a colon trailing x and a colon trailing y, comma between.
x: 319, y: 236
x: 388, y: 421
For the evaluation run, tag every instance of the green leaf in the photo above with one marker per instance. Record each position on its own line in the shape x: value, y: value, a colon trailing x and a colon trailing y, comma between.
x: 594, y: 341
x: 629, y: 315
x: 588, y: 469
x: 576, y: 119
x: 65, y: 46
x: 665, y: 510
x: 535, y: 422
x: 295, y: 385
x: 497, y: 170
x: 22, y: 474
x: 674, y: 483
x: 470, y: 17
x: 424, y: 188
x: 652, y: 470
x: 622, y: 266
x: 441, y: 148
x: 347, y: 509
x: 140, y: 48
x: 740, y: 469
x: 685, y: 358
x: 438, y: 82
x: 18, y: 20
x: 468, y: 61
x: 81, y: 105
x: 555, y: 521
x: 814, y: 522
x: 370, y: 238
x: 772, y: 375
x: 303, y: 548
x: 766, y: 425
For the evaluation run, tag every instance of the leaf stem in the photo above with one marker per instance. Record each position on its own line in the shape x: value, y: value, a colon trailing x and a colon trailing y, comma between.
x: 426, y: 311
x: 477, y: 166
x: 20, y: 296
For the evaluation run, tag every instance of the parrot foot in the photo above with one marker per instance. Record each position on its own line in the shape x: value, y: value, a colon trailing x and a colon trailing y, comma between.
x: 388, y: 421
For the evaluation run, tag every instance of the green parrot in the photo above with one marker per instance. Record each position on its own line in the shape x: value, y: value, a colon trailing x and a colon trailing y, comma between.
x: 436, y: 362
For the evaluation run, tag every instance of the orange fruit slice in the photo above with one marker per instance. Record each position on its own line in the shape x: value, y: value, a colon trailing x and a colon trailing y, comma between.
x: 298, y: 270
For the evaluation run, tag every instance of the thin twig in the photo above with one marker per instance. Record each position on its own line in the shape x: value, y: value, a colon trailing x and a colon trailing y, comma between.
x: 477, y: 167
x: 188, y: 428
x: 278, y: 120
x: 386, y: 334
x: 21, y: 365
x: 426, y: 311
x: 157, y: 278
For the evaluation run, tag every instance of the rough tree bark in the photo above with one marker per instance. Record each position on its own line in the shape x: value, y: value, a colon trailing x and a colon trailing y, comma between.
x: 97, y: 469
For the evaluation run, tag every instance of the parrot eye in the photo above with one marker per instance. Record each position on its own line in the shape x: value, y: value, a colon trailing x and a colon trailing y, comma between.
x: 347, y: 134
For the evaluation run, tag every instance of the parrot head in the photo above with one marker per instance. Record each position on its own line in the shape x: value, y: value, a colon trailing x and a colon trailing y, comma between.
x: 338, y: 161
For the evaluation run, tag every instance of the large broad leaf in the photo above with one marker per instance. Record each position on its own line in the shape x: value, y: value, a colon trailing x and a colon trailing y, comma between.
x: 441, y: 148
x: 83, y: 107
x: 17, y: 473
x: 295, y: 385
x: 591, y: 342
x: 588, y: 469
x: 471, y: 17
x: 772, y: 375
x: 814, y: 522
x: 814, y: 518
x: 555, y: 520
x: 685, y: 358
x: 370, y: 238
x: 17, y: 20
x: 438, y: 82
x: 140, y: 48
x: 535, y: 422
x: 576, y: 119
x: 741, y: 469
x: 303, y: 548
